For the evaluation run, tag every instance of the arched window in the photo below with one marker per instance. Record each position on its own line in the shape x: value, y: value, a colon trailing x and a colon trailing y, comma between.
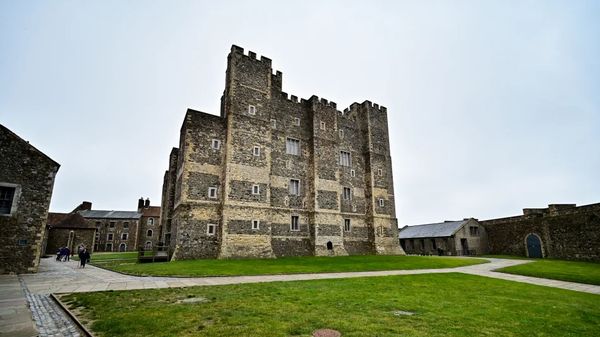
x: 122, y: 247
x: 151, y: 221
x: 149, y: 233
x: 148, y: 245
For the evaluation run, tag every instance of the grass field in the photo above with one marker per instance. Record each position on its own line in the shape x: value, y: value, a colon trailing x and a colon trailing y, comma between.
x: 289, y: 265
x: 442, y: 305
x: 581, y: 272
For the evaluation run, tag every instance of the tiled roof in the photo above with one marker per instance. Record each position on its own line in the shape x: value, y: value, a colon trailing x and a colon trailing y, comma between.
x: 74, y: 220
x: 99, y: 214
x: 434, y: 230
x: 54, y: 218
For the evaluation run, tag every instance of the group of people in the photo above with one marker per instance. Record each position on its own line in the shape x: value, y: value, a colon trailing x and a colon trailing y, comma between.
x: 64, y: 253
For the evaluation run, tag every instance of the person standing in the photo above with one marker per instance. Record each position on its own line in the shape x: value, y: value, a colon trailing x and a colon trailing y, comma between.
x: 84, y: 257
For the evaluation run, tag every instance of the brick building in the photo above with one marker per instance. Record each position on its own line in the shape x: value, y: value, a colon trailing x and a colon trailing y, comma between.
x: 68, y: 230
x: 464, y: 237
x: 277, y: 176
x: 562, y: 231
x: 149, y: 232
x: 26, y: 184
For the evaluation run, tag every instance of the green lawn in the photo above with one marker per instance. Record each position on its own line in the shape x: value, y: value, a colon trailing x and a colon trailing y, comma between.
x: 105, y: 257
x: 288, y: 265
x: 443, y: 305
x: 582, y: 272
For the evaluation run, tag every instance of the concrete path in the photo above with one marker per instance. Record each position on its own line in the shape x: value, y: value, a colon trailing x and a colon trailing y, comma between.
x: 66, y: 277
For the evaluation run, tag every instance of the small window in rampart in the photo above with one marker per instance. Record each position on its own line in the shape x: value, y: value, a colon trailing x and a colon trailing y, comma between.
x: 251, y: 110
x: 381, y: 202
x: 256, y: 151
x: 255, y: 189
x: 296, y: 121
x: 295, y: 224
x: 255, y: 224
x: 341, y: 134
x: 212, y: 192
x: 211, y: 229
x: 216, y: 144
x: 322, y: 125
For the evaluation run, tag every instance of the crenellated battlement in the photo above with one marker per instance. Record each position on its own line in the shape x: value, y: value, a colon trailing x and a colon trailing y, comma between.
x: 251, y: 55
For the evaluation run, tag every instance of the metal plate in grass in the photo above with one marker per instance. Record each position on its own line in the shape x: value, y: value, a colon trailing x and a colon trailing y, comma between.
x: 326, y: 333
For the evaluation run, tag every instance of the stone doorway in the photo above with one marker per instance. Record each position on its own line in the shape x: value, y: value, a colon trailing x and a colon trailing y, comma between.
x: 329, y: 245
x: 534, y: 246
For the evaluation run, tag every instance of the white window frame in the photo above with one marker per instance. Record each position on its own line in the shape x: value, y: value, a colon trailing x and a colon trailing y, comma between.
x: 295, y: 223
x: 255, y: 189
x: 291, y: 189
x: 345, y: 158
x: 151, y: 232
x: 381, y: 202
x: 347, y: 196
x: 292, y: 149
x: 255, y: 224
x: 110, y: 236
x: 251, y: 110
x: 150, y: 222
x: 347, y: 225
x: 322, y: 125
x: 215, y: 144
x: 380, y: 172
x: 124, y: 245
x: 124, y: 236
x: 352, y: 173
x: 256, y: 151
x: 209, y: 231
x: 296, y: 121
x: 212, y: 192
x: 15, y: 198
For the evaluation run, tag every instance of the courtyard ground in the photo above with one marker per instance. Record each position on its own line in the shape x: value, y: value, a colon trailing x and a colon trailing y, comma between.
x: 581, y: 272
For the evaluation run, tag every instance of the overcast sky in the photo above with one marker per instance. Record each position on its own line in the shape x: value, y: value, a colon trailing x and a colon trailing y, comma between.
x: 493, y: 105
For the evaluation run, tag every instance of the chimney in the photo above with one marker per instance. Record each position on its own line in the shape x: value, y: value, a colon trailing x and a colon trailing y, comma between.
x: 141, y: 203
x: 147, y: 203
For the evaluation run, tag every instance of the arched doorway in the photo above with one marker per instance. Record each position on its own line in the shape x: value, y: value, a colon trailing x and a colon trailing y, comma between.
x: 534, y: 246
x: 122, y: 247
x: 329, y: 245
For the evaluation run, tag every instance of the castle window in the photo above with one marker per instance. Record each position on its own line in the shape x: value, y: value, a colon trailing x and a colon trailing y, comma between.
x: 211, y: 229
x: 379, y: 172
x: 109, y: 237
x: 295, y: 225
x: 151, y: 221
x: 149, y: 233
x: 347, y: 193
x: 108, y: 247
x: 381, y: 203
x: 251, y: 110
x: 274, y: 123
x: 215, y: 144
x: 294, y: 187
x: 7, y: 194
x: 212, y: 192
x: 255, y: 189
x: 125, y: 225
x: 122, y: 247
x: 111, y: 224
x: 124, y: 236
x: 345, y: 158
x: 292, y: 146
x: 148, y: 245
x: 322, y: 125
x: 255, y: 224
x: 346, y: 225
x: 256, y: 151
x: 296, y: 121
x: 341, y: 133
x: 352, y: 173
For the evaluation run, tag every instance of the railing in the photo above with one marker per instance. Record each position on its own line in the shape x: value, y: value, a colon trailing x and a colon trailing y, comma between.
x: 154, y: 254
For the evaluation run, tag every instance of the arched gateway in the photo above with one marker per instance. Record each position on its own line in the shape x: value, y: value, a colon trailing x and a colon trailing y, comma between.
x: 534, y: 246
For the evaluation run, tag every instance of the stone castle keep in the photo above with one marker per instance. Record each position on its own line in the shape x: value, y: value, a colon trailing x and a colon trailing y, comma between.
x: 277, y: 176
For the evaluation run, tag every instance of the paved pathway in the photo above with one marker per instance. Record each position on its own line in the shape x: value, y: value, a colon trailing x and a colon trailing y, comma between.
x: 65, y: 277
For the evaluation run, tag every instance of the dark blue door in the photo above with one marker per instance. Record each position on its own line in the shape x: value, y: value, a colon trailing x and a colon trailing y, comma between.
x: 534, y: 246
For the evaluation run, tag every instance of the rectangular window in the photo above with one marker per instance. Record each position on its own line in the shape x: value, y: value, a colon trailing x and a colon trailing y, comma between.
x: 347, y: 193
x: 211, y: 229
x: 474, y: 231
x: 255, y: 189
x: 125, y: 225
x: 292, y: 146
x: 256, y: 151
x: 215, y: 144
x: 379, y: 172
x: 352, y: 173
x: 322, y: 125
x: 109, y: 247
x: 111, y: 225
x: 294, y: 187
x: 251, y: 110
x: 274, y: 123
x: 341, y: 134
x: 255, y: 224
x: 381, y: 203
x: 297, y: 121
x: 295, y: 225
x: 345, y: 158
x: 212, y: 192
x: 346, y: 225
x: 6, y: 199
x: 124, y: 236
x: 109, y: 237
